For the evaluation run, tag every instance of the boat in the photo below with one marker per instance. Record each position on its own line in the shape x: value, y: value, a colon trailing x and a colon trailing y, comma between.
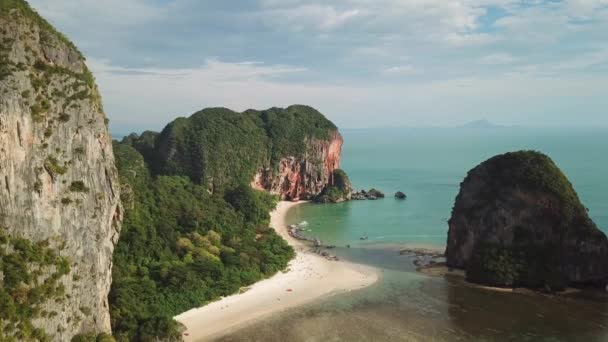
x: 363, y: 237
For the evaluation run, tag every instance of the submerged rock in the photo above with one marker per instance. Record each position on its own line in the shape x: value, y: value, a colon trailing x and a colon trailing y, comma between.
x: 517, y: 221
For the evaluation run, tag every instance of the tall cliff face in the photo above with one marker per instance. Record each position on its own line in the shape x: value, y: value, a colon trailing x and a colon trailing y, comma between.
x: 302, y: 177
x: 59, y: 187
x: 291, y: 152
x: 517, y: 221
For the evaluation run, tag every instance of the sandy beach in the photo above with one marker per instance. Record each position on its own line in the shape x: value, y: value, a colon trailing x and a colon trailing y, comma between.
x: 307, y: 278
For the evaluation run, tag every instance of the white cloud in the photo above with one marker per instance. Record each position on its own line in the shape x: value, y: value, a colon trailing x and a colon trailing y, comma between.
x: 150, y: 97
x: 469, y: 39
x: 140, y: 99
x: 85, y: 13
x: 349, y: 58
x: 400, y: 69
x: 309, y: 17
x: 585, y: 60
x: 584, y: 8
x: 498, y: 59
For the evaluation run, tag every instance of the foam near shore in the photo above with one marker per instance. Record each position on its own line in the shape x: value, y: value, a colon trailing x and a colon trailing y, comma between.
x: 308, y: 277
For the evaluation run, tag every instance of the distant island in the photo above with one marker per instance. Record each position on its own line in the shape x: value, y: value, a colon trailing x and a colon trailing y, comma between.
x: 481, y: 124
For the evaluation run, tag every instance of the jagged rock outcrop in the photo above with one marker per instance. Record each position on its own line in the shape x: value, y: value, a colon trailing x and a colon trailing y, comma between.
x: 291, y: 152
x: 371, y: 194
x: 305, y: 176
x: 517, y: 221
x: 59, y: 188
x: 339, y: 189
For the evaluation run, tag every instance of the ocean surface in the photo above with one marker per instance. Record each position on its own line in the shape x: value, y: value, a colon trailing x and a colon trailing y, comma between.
x: 428, y: 165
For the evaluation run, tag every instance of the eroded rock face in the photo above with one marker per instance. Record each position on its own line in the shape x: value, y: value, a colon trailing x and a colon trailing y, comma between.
x: 517, y: 221
x: 58, y: 181
x: 305, y: 177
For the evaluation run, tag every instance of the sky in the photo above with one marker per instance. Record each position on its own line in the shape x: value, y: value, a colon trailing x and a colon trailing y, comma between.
x: 362, y: 63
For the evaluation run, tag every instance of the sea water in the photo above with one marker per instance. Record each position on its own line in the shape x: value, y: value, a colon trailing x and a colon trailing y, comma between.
x: 428, y: 165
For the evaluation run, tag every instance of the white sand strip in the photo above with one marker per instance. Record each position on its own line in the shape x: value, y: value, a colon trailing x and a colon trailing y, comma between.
x: 309, y: 277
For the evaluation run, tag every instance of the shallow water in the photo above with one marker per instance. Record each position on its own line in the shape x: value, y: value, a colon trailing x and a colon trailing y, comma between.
x: 406, y: 306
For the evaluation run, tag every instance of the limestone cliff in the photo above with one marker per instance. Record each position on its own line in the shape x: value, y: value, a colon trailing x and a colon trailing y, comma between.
x: 305, y: 176
x: 339, y: 189
x: 517, y: 221
x: 291, y: 152
x: 59, y: 190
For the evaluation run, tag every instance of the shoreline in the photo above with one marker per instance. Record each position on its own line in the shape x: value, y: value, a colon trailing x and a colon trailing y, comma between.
x: 441, y: 270
x: 308, y: 277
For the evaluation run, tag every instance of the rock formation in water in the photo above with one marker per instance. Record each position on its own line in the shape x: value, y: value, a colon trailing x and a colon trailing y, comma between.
x: 517, y: 221
x: 371, y: 194
x: 59, y: 196
x: 338, y: 190
x: 400, y: 195
x: 290, y: 152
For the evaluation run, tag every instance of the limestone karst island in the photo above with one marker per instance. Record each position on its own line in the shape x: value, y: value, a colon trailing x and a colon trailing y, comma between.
x: 409, y: 171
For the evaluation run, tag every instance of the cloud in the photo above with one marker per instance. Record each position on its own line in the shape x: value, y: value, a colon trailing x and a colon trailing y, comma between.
x: 138, y: 99
x: 400, y: 69
x: 585, y: 60
x: 584, y: 8
x: 350, y: 58
x: 468, y: 39
x: 121, y: 13
x: 498, y: 59
x: 150, y: 97
x: 308, y: 17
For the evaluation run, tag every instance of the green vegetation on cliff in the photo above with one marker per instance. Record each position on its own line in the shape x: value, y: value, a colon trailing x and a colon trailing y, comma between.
x: 518, y: 221
x: 23, y: 8
x: 339, y: 190
x: 60, y: 82
x: 30, y: 275
x: 218, y: 147
x: 193, y: 228
x: 530, y: 265
x: 181, y: 247
x: 532, y: 171
x: 288, y: 128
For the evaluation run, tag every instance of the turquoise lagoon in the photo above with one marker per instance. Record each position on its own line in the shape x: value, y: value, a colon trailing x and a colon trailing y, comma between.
x: 428, y: 165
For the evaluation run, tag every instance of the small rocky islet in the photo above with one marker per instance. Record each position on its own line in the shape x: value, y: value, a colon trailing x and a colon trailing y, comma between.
x: 371, y: 194
x: 340, y: 189
x: 518, y: 222
x: 400, y: 195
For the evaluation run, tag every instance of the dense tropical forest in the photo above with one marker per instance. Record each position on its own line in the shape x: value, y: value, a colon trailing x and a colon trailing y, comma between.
x: 218, y: 147
x: 194, y: 229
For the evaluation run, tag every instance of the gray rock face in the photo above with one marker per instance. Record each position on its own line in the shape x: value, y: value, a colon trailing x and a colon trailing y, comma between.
x: 517, y: 221
x: 57, y: 174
